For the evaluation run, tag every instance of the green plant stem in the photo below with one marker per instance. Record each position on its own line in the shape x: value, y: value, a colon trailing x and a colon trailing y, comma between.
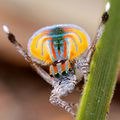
x: 99, y: 89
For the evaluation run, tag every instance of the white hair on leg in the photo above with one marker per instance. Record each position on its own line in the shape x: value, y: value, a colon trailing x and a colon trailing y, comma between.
x: 6, y: 29
x: 107, y: 7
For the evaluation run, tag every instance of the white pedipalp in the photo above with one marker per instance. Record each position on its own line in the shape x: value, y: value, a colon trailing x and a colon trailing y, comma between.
x: 6, y: 29
x: 107, y: 7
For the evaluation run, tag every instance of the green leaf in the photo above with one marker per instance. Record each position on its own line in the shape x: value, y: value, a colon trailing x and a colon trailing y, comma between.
x: 99, y: 89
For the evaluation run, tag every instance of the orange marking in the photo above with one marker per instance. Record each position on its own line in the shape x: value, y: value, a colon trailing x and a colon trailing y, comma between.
x: 65, y: 49
x: 68, y: 36
x: 63, y: 67
x: 55, y: 69
x: 82, y: 46
x: 36, y: 47
x: 59, y: 52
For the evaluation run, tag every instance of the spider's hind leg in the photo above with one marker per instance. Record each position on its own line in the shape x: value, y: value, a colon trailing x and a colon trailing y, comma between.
x: 63, y: 87
x: 18, y: 46
x: 56, y: 100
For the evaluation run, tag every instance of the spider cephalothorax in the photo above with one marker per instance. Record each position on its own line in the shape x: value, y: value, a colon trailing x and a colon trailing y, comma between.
x: 65, y: 48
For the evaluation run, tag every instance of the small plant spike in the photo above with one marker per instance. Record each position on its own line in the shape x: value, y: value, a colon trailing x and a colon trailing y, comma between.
x: 99, y: 88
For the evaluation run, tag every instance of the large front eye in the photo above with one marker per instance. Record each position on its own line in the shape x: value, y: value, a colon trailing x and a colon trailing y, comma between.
x: 57, y: 75
x: 64, y: 73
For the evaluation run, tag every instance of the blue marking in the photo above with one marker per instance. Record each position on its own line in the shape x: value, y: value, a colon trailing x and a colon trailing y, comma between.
x: 58, y: 35
x: 56, y: 51
x: 68, y: 48
x: 59, y: 68
x: 66, y: 65
x: 52, y: 70
x: 61, y: 51
x: 50, y: 49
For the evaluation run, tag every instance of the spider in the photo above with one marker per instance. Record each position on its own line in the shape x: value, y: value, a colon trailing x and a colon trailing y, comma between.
x: 65, y: 48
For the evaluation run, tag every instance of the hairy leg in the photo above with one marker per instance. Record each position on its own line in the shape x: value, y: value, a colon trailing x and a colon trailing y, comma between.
x: 62, y: 87
x: 56, y: 100
x: 83, y: 64
x: 20, y: 49
x: 98, y: 35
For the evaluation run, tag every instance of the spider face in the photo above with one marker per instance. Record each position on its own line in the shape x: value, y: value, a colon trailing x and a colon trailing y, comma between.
x: 57, y: 46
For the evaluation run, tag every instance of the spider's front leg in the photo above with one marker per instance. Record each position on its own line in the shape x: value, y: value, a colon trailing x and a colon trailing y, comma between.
x: 20, y: 49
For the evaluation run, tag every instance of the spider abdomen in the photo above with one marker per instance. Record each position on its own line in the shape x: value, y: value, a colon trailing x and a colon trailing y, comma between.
x: 63, y: 42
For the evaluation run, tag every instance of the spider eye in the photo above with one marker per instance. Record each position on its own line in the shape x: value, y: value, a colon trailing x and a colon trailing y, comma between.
x: 64, y: 73
x: 57, y: 75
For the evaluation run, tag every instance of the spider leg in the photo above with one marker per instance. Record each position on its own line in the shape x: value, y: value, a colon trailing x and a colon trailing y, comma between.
x: 98, y: 35
x: 83, y: 64
x: 56, y: 100
x: 62, y: 87
x: 20, y: 49
x: 74, y: 105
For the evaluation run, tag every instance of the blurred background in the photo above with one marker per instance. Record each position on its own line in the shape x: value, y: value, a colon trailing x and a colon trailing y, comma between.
x: 23, y: 94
